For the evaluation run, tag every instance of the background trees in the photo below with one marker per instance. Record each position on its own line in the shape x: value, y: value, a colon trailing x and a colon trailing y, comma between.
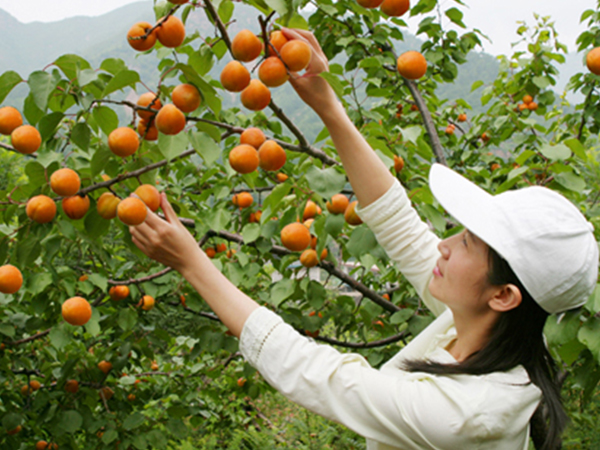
x: 153, y: 367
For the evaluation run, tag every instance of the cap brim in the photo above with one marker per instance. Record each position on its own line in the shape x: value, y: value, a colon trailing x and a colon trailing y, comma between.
x: 470, y: 205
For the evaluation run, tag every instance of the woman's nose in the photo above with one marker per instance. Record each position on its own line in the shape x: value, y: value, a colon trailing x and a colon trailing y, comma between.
x: 444, y: 248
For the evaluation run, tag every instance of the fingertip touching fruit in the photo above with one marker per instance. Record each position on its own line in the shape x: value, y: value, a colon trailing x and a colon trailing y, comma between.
x: 132, y: 211
x: 295, y: 237
x: 26, y: 139
x: 123, y: 142
x: 296, y: 55
x: 256, y: 96
x: 149, y: 195
x: 170, y: 120
x: 244, y: 159
x: 412, y: 65
x: 11, y: 279
x: 186, y: 97
x: 76, y: 311
x: 41, y: 209
x: 65, y: 182
x: 10, y: 119
x: 246, y: 46
x: 171, y: 32
x: 272, y: 156
x: 235, y: 77
x: 139, y: 38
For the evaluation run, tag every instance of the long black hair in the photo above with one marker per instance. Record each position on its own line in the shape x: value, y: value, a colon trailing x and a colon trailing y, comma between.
x: 506, y: 350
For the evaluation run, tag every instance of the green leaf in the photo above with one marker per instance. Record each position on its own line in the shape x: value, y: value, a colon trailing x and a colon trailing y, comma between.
x: 41, y: 85
x: 127, y: 319
x: 361, y: 242
x: 541, y: 82
x: 28, y: 251
x: 278, y: 5
x: 334, y: 82
x: 71, y: 65
x: 70, y: 421
x: 106, y: 118
x: 576, y: 147
x: 172, y: 146
x: 113, y: 65
x: 38, y: 282
x: 205, y: 146
x: 209, y: 94
x: 556, y: 152
x: 251, y: 232
x: 334, y: 224
x: 589, y: 334
x: 134, y: 420
x: 11, y: 420
x: 99, y: 160
x: 36, y: 173
x: 8, y: 81
x: 476, y: 85
x: 81, y: 135
x: 456, y: 16
x: 563, y: 331
x: 7, y: 330
x: 58, y: 337
x: 122, y: 79
x: 401, y: 316
x: 327, y: 182
x: 281, y: 291
x: 571, y: 181
x: 49, y: 123
x: 370, y: 62
x: 95, y: 225
x: 99, y: 280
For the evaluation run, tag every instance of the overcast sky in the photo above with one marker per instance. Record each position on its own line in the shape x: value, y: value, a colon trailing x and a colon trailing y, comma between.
x: 497, y: 19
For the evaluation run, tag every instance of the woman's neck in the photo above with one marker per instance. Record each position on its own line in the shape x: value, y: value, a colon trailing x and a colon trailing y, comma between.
x: 472, y: 333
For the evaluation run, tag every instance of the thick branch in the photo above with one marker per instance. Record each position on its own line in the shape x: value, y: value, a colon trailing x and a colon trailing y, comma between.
x: 217, y: 20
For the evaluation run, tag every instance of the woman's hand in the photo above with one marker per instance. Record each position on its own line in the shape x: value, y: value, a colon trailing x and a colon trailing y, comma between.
x: 314, y: 90
x: 166, y: 241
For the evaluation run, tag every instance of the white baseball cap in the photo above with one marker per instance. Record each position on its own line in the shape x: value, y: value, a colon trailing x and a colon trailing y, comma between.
x: 545, y: 239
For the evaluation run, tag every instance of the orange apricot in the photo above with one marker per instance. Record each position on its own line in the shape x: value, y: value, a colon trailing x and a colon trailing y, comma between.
x: 271, y: 156
x: 107, y: 205
x: 309, y: 258
x: 132, y: 211
x: 235, y: 77
x: 412, y: 65
x: 186, y: 97
x: 243, y: 199
x: 76, y: 311
x: 72, y: 386
x: 105, y: 366
x: 211, y: 252
x: 76, y: 207
x: 11, y: 279
x: 592, y: 60
x: 171, y: 32
x: 350, y: 214
x: 253, y: 136
x: 398, y: 163
x: 310, y: 210
x: 277, y: 39
x: 281, y: 177
x: 118, y: 293
x: 146, y: 303
x: 527, y: 99
x: 337, y: 204
x: 256, y: 96
x: 123, y: 142
x: 532, y: 106
x: 296, y: 55
x: 10, y: 119
x: 170, y: 120
x: 244, y: 159
x: 65, y: 182
x: 149, y: 195
x: 272, y: 72
x: 137, y: 39
x: 395, y: 8
x: 148, y: 100
x: 246, y: 46
x: 41, y: 209
x: 26, y: 139
x: 462, y: 117
x: 147, y: 133
x: 295, y: 237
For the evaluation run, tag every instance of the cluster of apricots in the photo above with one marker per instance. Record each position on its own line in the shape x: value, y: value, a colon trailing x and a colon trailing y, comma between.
x: 169, y: 31
x: 25, y: 139
x: 66, y: 183
x: 255, y: 151
x: 450, y: 129
x: 282, y: 57
x: 528, y: 103
x: 392, y: 8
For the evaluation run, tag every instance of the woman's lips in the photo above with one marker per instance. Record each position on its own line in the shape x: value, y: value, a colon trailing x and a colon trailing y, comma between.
x: 437, y: 272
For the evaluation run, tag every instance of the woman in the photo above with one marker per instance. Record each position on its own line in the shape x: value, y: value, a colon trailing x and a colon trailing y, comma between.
x: 475, y: 376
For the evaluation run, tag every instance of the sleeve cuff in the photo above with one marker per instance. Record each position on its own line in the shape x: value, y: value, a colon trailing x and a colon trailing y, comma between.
x: 385, y: 206
x: 257, y: 329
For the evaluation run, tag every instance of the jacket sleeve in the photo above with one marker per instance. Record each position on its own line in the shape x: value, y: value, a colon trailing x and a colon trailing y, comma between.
x: 407, y: 240
x: 406, y: 410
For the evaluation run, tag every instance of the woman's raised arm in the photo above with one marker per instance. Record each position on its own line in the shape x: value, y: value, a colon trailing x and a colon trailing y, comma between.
x: 369, y: 177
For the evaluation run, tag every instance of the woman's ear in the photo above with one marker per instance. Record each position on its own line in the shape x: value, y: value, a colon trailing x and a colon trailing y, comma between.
x: 507, y: 297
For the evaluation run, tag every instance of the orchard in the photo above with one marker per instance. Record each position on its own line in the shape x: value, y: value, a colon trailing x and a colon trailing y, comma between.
x: 102, y: 348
